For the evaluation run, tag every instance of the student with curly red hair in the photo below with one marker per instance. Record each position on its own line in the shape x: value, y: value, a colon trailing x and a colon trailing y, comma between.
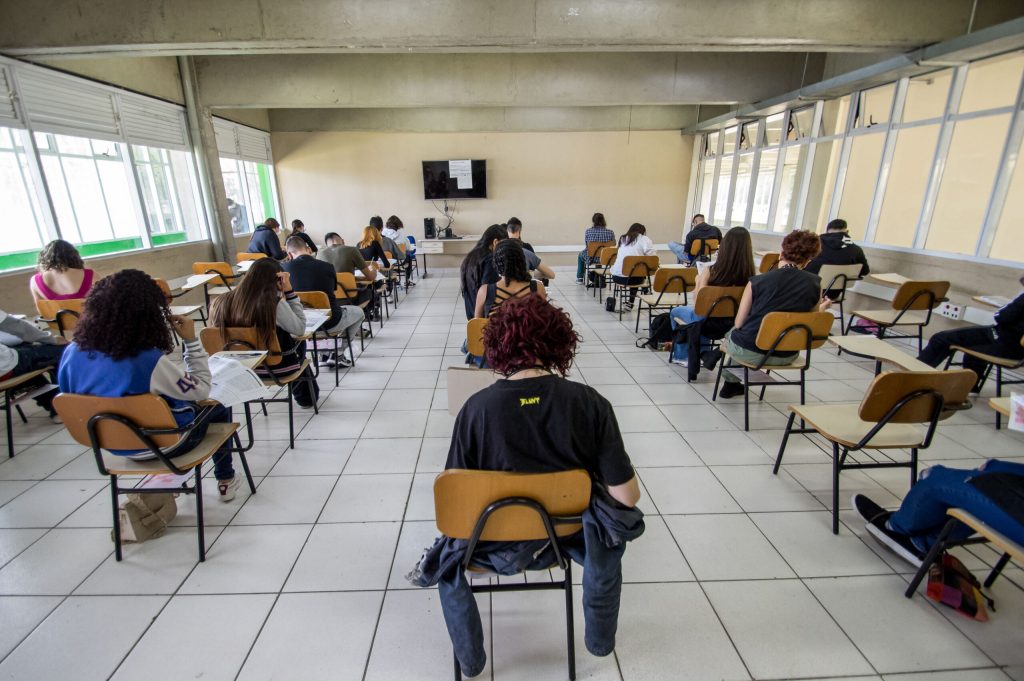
x: 535, y: 421
x: 788, y: 288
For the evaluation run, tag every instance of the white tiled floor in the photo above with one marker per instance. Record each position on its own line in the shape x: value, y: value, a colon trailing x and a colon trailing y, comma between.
x: 737, y: 577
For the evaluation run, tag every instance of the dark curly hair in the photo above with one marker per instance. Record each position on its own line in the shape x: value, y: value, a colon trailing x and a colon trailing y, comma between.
x: 394, y: 222
x: 60, y: 256
x: 800, y: 247
x: 529, y: 332
x: 124, y: 314
x: 510, y: 261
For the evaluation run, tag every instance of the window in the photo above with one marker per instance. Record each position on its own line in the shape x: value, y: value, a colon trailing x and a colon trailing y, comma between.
x: 861, y: 178
x: 1007, y: 244
x: 908, y: 179
x: 801, y: 122
x: 792, y: 165
x: 718, y: 210
x: 711, y: 145
x: 707, y: 180
x: 744, y: 167
x: 250, y: 186
x: 23, y: 211
x: 834, y: 115
x: 763, y: 188
x: 167, y: 181
x: 874, y: 106
x: 992, y: 83
x: 927, y: 95
x: 773, y: 129
x: 730, y: 141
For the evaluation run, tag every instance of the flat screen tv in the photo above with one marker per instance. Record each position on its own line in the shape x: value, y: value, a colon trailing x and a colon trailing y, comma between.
x: 459, y: 179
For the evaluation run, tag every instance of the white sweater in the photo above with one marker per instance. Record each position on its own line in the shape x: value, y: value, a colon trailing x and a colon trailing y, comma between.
x: 642, y: 246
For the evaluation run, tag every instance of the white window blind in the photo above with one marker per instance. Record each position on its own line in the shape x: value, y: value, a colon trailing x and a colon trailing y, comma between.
x: 8, y: 111
x: 227, y: 144
x: 153, y: 123
x: 242, y: 142
x: 62, y: 104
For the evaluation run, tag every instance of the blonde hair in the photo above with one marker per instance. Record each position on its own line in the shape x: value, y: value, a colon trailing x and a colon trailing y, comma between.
x: 370, y: 234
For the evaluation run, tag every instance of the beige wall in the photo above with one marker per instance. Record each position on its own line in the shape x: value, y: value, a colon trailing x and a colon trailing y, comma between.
x: 553, y: 182
x: 157, y: 76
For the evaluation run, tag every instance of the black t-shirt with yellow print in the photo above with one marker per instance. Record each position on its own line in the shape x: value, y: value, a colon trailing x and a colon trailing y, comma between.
x: 539, y: 425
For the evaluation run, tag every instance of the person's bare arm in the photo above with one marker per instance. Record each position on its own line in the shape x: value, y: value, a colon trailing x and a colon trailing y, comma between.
x: 541, y: 291
x: 702, y: 280
x: 628, y: 493
x: 481, y: 297
x: 745, y: 303
x: 545, y: 271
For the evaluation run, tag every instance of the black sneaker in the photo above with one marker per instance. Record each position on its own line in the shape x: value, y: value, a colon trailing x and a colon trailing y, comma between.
x: 711, y: 358
x: 731, y: 389
x: 878, y: 527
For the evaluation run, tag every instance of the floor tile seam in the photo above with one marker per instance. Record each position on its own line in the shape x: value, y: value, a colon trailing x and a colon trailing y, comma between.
x: 60, y: 602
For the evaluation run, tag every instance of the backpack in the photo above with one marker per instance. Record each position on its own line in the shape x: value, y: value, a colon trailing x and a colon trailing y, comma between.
x: 661, y: 332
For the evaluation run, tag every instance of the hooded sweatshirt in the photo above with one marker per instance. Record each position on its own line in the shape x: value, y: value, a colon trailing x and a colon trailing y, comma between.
x: 837, y: 248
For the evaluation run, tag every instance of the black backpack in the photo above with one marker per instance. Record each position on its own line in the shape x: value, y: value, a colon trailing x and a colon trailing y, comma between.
x: 661, y: 332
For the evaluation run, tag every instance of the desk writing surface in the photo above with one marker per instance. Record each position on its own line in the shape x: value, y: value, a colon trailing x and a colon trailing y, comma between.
x: 250, y: 359
x: 185, y: 310
x: 878, y: 349
x: 887, y: 278
x: 1001, y: 405
x: 996, y: 302
x: 315, y: 318
x: 244, y: 266
x: 197, y: 280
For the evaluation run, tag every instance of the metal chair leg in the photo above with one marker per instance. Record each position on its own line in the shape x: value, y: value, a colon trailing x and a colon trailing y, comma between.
x: 785, y: 440
x: 10, y: 425
x: 1003, y: 560
x: 933, y: 554
x: 199, y: 515
x: 570, y: 633
x: 746, y: 398
x: 835, y: 488
x: 117, y: 517
x: 999, y: 393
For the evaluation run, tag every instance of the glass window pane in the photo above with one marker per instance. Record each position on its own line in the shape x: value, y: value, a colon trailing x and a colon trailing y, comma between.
x: 992, y: 83
x: 875, y: 106
x: 744, y: 167
x: 773, y: 129
x: 105, y: 148
x: 5, y: 139
x: 20, y: 202
x: 1008, y: 244
x: 792, y: 166
x: 83, y: 185
x: 61, y: 200
x: 967, y: 184
x: 722, y: 197
x: 73, y: 145
x: 712, y: 146
x: 822, y: 184
x: 926, y: 96
x: 707, y: 179
x: 238, y: 207
x: 908, y: 179
x: 763, y: 188
x: 834, y: 115
x: 801, y: 123
x: 117, y: 190
x: 730, y: 141
x: 42, y: 140
x: 859, y: 185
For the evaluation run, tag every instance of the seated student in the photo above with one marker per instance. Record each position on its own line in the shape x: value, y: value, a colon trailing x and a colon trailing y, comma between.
x: 633, y: 242
x: 698, y: 230
x: 346, y: 259
x: 371, y: 246
x: 393, y: 230
x: 24, y: 348
x: 299, y: 230
x: 477, y: 267
x: 993, y: 493
x: 733, y: 267
x: 310, y: 274
x: 533, y: 261
x: 514, y: 281
x: 837, y: 248
x: 1001, y: 340
x: 537, y: 421
x: 282, y: 232
x: 264, y: 300
x: 598, y: 231
x: 113, y: 358
x: 788, y: 288
x: 264, y: 240
x: 62, y: 274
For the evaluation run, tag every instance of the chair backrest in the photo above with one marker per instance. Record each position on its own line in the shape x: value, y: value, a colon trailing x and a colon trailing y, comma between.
x: 718, y: 301
x: 703, y: 247
x: 889, y: 388
x: 920, y: 295
x: 242, y: 257
x: 640, y: 265
x: 58, y: 310
x: 401, y: 248
x: 347, y: 284
x: 240, y: 338
x: 314, y: 299
x: 387, y: 254
x: 221, y: 268
x: 462, y: 496
x: 475, y: 336
x: 595, y: 248
x: 608, y: 254
x: 838, y: 277
x: 674, y: 280
x: 790, y: 329
x: 165, y: 287
x: 769, y: 261
x: 145, y: 411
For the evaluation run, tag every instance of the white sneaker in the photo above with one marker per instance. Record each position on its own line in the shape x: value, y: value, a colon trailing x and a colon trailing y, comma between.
x: 227, y: 488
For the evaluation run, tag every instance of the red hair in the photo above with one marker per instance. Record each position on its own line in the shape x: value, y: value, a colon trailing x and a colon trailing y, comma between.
x: 800, y: 247
x: 529, y: 332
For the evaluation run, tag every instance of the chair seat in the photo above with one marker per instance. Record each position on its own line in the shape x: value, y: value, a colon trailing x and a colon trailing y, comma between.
x: 283, y: 380
x: 800, y: 362
x: 841, y: 423
x: 1007, y: 362
x: 216, y: 435
x: 667, y: 300
x: 886, y: 317
x: 20, y: 379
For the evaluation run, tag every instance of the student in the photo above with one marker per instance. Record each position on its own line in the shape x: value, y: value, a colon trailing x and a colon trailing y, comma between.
x: 536, y: 421
x: 264, y: 300
x: 597, y: 232
x: 239, y: 216
x: 788, y: 288
x: 514, y: 282
x: 733, y: 267
x: 310, y: 274
x: 1001, y: 340
x: 264, y: 240
x: 533, y: 261
x: 346, y: 259
x: 837, y: 248
x: 110, y: 358
x: 477, y: 267
x: 387, y: 244
x: 62, y: 274
x: 633, y: 242
x: 24, y: 348
x: 371, y: 247
x: 299, y: 230
x: 394, y: 231
x: 993, y: 493
x: 698, y: 230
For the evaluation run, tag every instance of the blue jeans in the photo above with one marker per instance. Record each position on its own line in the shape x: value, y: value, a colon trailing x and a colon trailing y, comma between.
x: 581, y: 263
x: 686, y: 313
x: 679, y: 250
x: 922, y: 514
x: 34, y: 356
x: 602, y: 588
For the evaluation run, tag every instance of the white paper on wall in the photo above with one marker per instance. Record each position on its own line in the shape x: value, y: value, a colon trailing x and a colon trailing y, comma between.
x: 462, y: 172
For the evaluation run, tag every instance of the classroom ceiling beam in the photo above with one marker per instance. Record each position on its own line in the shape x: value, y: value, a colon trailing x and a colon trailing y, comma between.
x: 494, y: 80
x: 162, y: 27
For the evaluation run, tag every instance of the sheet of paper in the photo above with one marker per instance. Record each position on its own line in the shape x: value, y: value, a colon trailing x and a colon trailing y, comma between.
x: 462, y: 173
x: 233, y: 384
x: 1017, y: 412
x: 314, y: 320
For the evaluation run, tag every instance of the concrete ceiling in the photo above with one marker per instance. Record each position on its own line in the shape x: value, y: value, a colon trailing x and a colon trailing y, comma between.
x: 490, y: 64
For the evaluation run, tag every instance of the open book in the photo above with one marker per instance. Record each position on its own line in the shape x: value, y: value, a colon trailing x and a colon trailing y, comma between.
x: 233, y: 383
